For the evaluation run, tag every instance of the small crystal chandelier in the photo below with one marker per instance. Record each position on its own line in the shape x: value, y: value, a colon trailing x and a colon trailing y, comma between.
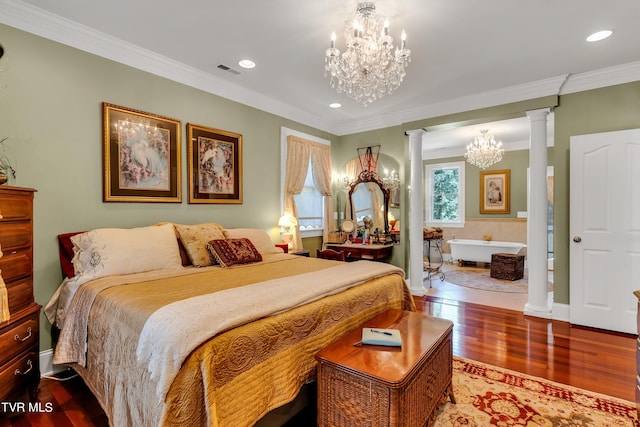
x: 484, y: 150
x: 369, y: 68
x: 391, y: 180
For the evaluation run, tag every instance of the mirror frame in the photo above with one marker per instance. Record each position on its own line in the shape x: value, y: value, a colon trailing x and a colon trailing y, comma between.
x: 365, y: 177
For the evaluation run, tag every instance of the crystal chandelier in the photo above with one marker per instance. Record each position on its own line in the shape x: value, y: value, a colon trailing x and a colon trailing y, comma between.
x: 484, y: 150
x: 391, y: 180
x: 369, y: 68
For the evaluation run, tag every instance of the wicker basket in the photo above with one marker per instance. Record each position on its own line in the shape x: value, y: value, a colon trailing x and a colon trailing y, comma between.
x: 507, y: 266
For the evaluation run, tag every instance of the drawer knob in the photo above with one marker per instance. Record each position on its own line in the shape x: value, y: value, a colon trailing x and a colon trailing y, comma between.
x: 30, y: 367
x: 17, y: 337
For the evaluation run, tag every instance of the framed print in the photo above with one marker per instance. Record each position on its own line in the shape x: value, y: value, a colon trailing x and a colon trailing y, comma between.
x: 494, y: 191
x: 214, y: 166
x: 141, y: 156
x: 395, y: 198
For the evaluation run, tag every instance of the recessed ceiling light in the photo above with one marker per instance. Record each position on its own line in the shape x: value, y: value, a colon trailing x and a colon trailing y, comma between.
x: 335, y: 105
x: 247, y: 63
x: 600, y: 35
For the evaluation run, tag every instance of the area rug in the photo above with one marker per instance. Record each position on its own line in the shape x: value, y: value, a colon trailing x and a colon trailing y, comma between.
x: 490, y: 396
x: 479, y: 278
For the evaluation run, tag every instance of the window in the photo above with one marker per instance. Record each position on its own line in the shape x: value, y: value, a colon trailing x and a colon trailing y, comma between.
x: 444, y: 194
x: 309, y: 202
x: 310, y: 205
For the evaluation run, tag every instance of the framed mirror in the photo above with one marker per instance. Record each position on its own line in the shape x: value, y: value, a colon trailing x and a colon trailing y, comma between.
x: 369, y: 198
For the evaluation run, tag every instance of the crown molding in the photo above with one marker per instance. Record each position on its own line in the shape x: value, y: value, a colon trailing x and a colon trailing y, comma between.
x: 34, y: 20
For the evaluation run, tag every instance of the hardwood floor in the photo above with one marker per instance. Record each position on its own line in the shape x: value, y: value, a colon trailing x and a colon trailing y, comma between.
x: 595, y: 360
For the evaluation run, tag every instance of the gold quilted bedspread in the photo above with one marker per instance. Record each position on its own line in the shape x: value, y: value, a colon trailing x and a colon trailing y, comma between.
x: 239, y: 375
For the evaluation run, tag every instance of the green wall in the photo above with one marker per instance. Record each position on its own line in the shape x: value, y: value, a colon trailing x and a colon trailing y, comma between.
x: 50, y: 103
x: 516, y: 162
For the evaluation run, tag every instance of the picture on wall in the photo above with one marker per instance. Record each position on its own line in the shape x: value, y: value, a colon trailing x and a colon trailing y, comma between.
x: 214, y: 166
x: 141, y: 156
x: 494, y: 191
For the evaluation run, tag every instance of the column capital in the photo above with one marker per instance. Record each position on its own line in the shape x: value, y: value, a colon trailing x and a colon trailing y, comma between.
x: 415, y: 133
x: 538, y: 114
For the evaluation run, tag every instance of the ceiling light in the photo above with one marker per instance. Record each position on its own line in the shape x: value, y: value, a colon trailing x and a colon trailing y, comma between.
x: 369, y: 68
x: 600, y: 35
x: 484, y: 150
x: 335, y: 105
x: 247, y: 63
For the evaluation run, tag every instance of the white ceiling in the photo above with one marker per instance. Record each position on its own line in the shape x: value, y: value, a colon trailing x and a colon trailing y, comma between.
x: 466, y: 54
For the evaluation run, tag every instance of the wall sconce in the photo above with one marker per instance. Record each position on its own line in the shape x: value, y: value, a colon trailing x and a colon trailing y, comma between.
x: 286, y: 222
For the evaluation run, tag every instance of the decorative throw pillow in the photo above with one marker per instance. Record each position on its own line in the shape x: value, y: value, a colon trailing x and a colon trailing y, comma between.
x: 231, y: 252
x: 195, y: 239
x: 113, y: 251
x: 259, y: 238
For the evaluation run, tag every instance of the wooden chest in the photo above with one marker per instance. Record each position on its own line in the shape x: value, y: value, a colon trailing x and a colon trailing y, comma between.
x: 387, y: 386
x: 507, y: 266
x: 19, y: 336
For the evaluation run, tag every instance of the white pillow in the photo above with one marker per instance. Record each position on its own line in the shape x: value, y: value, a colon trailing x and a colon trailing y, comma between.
x: 112, y: 251
x: 259, y: 238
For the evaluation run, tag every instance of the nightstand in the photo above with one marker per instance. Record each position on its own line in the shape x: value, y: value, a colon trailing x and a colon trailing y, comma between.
x: 302, y: 252
x: 283, y: 246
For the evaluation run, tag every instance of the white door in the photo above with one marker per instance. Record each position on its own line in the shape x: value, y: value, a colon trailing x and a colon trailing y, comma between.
x: 605, y: 230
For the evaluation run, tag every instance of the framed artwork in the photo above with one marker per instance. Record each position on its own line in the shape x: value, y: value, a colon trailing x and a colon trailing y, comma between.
x: 214, y: 166
x: 141, y: 156
x: 494, y: 191
x: 395, y: 198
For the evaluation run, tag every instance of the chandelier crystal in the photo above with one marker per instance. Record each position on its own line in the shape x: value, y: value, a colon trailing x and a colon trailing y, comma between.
x: 369, y: 68
x: 484, y: 150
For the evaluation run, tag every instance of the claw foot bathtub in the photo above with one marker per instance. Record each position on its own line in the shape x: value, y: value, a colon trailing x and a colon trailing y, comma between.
x: 481, y: 250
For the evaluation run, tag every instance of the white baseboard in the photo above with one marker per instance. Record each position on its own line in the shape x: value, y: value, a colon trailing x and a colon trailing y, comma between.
x: 47, y: 368
x: 560, y: 312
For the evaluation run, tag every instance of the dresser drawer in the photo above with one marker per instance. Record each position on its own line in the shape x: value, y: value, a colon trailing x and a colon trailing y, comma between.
x: 20, y: 294
x: 15, y: 235
x: 19, y: 336
x: 15, y: 207
x: 19, y: 374
x: 16, y: 264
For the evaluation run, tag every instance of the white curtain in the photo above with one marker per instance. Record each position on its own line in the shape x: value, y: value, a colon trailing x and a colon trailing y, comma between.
x: 299, y: 152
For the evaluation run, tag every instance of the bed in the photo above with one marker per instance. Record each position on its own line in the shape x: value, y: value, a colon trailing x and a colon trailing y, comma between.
x: 199, y: 325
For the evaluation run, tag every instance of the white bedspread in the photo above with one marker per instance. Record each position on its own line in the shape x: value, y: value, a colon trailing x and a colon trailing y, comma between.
x: 201, y: 318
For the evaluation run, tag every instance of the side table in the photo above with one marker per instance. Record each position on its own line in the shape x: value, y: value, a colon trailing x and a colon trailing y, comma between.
x: 387, y: 386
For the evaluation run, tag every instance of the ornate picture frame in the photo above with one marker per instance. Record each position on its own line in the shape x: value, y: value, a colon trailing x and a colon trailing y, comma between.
x: 142, y: 156
x: 214, y: 165
x: 495, y: 193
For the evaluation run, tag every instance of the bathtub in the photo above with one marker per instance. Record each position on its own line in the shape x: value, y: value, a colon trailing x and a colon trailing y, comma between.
x: 481, y: 250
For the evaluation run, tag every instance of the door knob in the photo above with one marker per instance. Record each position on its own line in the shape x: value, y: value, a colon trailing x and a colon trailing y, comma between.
x: 577, y: 239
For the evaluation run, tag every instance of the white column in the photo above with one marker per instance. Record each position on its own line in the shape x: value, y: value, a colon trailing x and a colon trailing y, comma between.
x: 538, y: 304
x: 416, y: 196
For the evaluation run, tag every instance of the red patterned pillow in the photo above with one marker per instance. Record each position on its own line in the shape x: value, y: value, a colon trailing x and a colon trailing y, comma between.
x: 230, y: 252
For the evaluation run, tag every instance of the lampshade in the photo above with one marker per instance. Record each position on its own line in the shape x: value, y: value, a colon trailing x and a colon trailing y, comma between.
x: 287, y: 220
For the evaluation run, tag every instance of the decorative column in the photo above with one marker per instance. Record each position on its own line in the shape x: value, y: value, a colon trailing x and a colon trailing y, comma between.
x: 416, y: 196
x: 538, y: 303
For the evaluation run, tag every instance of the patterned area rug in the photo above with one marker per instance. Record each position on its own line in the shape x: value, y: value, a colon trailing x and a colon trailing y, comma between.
x: 490, y: 396
x: 479, y: 278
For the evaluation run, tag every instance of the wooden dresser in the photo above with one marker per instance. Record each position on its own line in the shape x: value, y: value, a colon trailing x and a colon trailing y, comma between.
x: 19, y: 336
x: 387, y: 386
x: 355, y: 251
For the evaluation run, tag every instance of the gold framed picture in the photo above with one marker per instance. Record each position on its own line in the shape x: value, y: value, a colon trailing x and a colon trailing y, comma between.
x: 214, y: 165
x: 141, y: 156
x: 494, y: 191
